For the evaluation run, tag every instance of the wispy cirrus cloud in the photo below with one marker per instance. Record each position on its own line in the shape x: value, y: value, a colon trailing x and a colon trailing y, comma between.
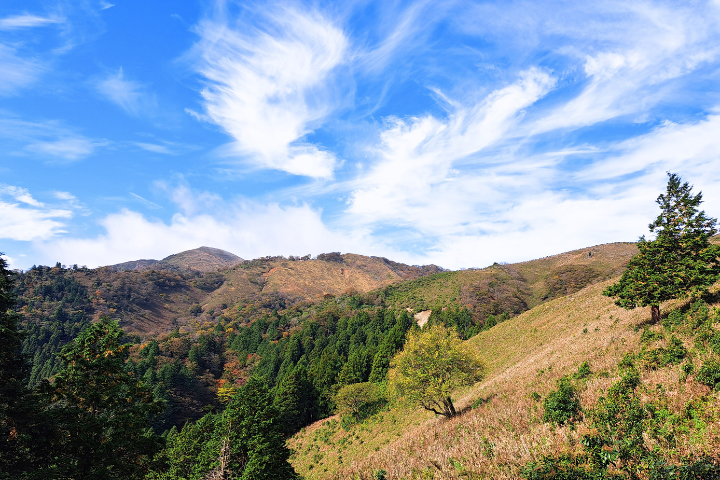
x: 129, y: 95
x: 27, y: 20
x: 18, y: 71
x: 165, y: 147
x: 267, y: 86
x: 617, y: 59
x: 413, y: 182
x: 49, y: 140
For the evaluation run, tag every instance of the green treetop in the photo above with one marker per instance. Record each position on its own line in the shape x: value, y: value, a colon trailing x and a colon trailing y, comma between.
x: 680, y: 262
x: 100, y: 410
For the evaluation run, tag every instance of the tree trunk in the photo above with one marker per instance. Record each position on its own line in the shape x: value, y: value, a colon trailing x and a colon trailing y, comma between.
x: 655, y: 313
x: 449, y: 408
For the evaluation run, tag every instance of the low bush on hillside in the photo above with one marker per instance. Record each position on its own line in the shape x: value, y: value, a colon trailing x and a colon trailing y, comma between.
x: 562, y: 405
x: 628, y: 437
x: 359, y: 400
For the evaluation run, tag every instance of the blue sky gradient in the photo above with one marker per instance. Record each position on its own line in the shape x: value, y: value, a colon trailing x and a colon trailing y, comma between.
x: 458, y: 133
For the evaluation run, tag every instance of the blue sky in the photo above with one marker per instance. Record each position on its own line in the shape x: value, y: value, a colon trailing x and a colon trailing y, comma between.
x: 458, y: 133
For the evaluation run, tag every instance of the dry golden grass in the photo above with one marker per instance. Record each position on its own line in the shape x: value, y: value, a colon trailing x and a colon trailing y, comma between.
x: 505, y: 431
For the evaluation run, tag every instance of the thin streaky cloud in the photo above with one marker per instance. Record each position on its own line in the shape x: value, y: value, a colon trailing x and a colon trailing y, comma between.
x: 27, y: 21
x: 129, y: 95
x: 17, y: 72
x: 68, y: 149
x: 49, y: 139
x: 146, y: 202
x: 268, y: 88
x: 20, y: 194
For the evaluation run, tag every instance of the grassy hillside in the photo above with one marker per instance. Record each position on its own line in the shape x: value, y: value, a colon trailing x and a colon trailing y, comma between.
x: 513, y: 288
x: 501, y: 429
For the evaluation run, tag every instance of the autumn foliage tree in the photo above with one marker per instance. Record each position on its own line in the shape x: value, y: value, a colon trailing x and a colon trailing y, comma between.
x: 679, y: 262
x: 433, y: 363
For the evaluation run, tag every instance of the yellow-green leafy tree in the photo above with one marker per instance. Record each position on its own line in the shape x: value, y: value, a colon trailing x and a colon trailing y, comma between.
x: 351, y: 399
x: 432, y: 365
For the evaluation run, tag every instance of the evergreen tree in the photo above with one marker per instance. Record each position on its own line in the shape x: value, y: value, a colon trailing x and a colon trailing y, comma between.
x: 257, y: 448
x: 13, y: 379
x: 296, y: 400
x: 242, y: 443
x: 679, y: 262
x: 100, y: 410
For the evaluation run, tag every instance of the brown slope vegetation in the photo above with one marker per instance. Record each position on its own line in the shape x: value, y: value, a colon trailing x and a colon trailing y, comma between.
x: 203, y: 259
x: 514, y: 288
x: 311, y: 280
x: 501, y: 428
x: 188, y: 287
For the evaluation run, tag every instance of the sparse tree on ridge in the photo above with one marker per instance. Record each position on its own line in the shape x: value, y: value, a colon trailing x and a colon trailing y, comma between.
x: 680, y: 262
x: 433, y: 363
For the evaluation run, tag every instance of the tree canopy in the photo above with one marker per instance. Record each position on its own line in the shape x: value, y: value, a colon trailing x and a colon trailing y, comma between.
x: 433, y: 363
x: 100, y: 410
x: 679, y: 262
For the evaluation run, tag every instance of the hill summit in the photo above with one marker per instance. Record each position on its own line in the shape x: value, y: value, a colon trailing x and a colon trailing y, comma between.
x: 203, y: 259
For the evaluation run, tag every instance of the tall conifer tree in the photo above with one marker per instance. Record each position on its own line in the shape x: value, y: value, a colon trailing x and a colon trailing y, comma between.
x: 680, y: 262
x: 13, y: 378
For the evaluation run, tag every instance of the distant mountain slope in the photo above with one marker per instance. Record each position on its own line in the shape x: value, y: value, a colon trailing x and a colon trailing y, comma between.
x: 153, y: 297
x: 513, y: 288
x: 203, y: 259
x: 293, y: 280
x: 196, y: 285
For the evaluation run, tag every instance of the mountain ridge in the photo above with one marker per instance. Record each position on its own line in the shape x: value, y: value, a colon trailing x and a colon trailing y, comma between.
x: 202, y: 259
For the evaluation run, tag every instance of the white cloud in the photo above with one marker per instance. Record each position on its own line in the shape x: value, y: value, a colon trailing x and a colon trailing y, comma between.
x: 268, y: 88
x: 49, y: 139
x: 155, y: 148
x: 636, y: 66
x: 165, y: 147
x: 246, y: 228
x: 67, y: 196
x: 20, y: 194
x: 70, y: 149
x: 191, y: 202
x: 413, y: 181
x: 31, y: 221
x: 27, y: 20
x: 691, y: 147
x: 17, y: 72
x: 131, y: 96
x: 18, y: 223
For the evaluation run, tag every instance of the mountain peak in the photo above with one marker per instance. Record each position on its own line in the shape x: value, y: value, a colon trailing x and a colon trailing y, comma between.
x: 202, y: 259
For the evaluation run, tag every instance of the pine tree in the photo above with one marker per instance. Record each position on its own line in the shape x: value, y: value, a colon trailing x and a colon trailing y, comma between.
x: 100, y: 410
x: 257, y: 449
x: 13, y: 379
x: 296, y: 400
x: 680, y: 262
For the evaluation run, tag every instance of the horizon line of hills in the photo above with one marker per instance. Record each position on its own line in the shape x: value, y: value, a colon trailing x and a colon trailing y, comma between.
x: 157, y: 296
